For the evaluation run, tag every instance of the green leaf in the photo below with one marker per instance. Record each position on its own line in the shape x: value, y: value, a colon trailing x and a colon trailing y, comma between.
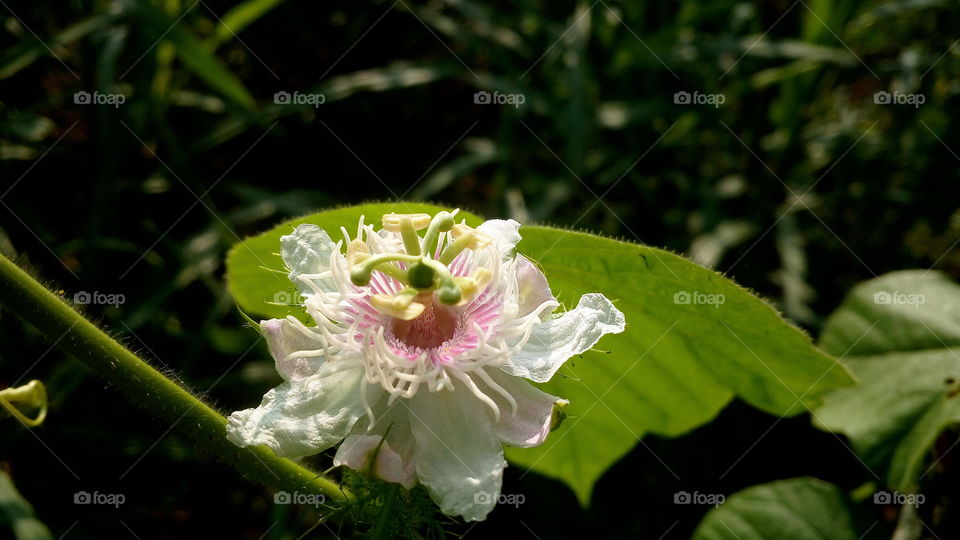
x: 194, y: 56
x: 25, y: 53
x: 793, y: 509
x: 677, y: 364
x: 255, y: 273
x: 239, y: 17
x: 900, y: 335
x: 16, y: 512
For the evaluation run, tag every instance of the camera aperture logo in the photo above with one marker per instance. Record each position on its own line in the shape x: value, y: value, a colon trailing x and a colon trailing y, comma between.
x: 496, y: 98
x: 286, y: 98
x: 98, y: 298
x: 712, y: 499
x: 109, y: 499
x: 897, y: 298
x: 698, y: 298
x: 698, y: 98
x: 899, y: 499
x: 512, y: 499
x: 899, y: 98
x: 83, y: 97
x: 311, y: 499
x: 288, y: 298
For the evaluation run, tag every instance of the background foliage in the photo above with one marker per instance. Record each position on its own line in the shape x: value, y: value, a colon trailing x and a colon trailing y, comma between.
x: 798, y: 186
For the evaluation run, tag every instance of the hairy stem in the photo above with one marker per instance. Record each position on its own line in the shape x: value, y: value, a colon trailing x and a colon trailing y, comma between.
x: 150, y: 389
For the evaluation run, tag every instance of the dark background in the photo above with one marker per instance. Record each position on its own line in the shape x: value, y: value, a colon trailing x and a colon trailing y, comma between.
x: 798, y: 186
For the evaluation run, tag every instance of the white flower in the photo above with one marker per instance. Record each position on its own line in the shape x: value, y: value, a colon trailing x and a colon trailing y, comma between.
x: 418, y: 354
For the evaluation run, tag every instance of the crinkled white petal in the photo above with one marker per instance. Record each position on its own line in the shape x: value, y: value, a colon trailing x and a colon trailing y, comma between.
x: 504, y: 233
x: 554, y: 341
x: 307, y: 250
x: 302, y: 417
x: 393, y: 460
x: 530, y: 424
x: 297, y: 349
x: 459, y: 459
x: 532, y: 287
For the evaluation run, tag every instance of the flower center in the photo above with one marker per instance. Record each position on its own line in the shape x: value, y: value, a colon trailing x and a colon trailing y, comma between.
x: 421, y: 270
x: 434, y: 327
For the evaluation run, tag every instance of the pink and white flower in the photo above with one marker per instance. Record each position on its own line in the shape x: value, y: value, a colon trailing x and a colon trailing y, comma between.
x: 418, y: 354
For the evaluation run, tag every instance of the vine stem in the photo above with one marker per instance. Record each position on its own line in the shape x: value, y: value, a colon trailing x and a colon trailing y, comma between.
x: 150, y: 389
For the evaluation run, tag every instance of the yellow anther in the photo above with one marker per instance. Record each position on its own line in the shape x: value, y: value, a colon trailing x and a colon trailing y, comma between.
x: 357, y: 251
x: 472, y: 285
x: 460, y: 229
x: 472, y: 238
x: 394, y: 222
x: 399, y: 307
x: 465, y: 237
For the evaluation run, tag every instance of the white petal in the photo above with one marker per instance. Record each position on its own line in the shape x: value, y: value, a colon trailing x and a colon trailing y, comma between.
x: 285, y: 337
x: 301, y: 417
x: 554, y: 341
x: 307, y: 250
x: 459, y: 458
x: 394, y: 459
x: 504, y: 233
x: 530, y: 425
x: 532, y: 286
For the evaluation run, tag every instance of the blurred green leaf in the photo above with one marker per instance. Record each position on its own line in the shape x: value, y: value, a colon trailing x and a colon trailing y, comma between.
x: 396, y: 76
x: 679, y: 362
x: 793, y: 509
x: 20, y: 56
x: 18, y: 514
x: 239, y: 17
x: 194, y: 56
x: 900, y: 335
x: 28, y: 127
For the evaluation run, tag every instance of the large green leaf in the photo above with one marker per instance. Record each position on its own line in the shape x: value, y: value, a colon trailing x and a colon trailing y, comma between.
x: 673, y: 369
x: 900, y: 335
x: 677, y: 365
x: 794, y: 509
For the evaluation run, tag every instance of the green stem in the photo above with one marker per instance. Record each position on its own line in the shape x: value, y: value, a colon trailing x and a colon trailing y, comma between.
x: 147, y: 387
